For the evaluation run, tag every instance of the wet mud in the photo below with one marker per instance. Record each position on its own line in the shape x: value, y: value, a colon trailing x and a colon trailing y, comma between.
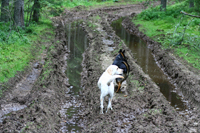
x: 37, y: 108
x: 145, y: 59
x: 144, y: 109
x: 185, y: 78
x: 55, y: 104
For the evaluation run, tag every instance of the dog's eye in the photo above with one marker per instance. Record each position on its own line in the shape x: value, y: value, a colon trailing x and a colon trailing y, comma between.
x: 117, y: 68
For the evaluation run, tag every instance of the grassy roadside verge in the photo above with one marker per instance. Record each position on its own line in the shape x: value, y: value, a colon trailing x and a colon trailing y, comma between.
x: 168, y: 28
x: 16, y: 45
x: 17, y: 48
x: 59, y: 6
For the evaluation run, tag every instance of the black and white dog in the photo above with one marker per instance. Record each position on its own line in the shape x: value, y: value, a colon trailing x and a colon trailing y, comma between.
x: 121, y: 62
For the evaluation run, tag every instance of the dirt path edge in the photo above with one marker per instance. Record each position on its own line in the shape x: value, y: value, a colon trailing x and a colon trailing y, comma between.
x: 186, y: 81
x: 136, y: 112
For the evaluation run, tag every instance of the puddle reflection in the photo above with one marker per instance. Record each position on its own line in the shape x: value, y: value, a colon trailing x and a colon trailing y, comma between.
x: 146, y: 61
x: 77, y: 43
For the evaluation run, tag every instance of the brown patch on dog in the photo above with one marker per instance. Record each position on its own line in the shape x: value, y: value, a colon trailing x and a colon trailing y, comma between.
x: 126, y: 65
x: 109, y: 71
x: 121, y: 77
x: 122, y: 54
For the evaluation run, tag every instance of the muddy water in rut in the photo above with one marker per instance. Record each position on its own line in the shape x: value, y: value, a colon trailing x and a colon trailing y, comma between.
x: 145, y: 59
x: 77, y: 43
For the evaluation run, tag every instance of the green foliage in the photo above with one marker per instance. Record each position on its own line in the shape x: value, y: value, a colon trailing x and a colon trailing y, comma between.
x: 91, y: 25
x: 154, y: 13
x: 173, y: 29
x: 16, y: 43
x: 86, y: 3
x: 47, y: 70
x: 53, y: 7
x: 155, y: 111
x: 14, y: 51
x: 138, y: 86
x: 16, y: 46
x: 97, y: 18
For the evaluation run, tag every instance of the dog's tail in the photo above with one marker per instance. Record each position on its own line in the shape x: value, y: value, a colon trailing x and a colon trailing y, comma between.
x: 113, y: 78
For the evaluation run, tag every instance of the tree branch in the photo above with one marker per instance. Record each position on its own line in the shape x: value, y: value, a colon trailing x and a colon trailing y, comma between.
x: 190, y: 14
x: 185, y: 29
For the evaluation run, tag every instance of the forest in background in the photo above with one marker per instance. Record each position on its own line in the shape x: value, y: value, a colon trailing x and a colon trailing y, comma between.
x: 23, y: 22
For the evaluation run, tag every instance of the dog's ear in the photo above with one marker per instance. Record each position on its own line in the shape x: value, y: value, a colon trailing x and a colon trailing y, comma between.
x: 120, y: 50
x: 109, y: 71
x: 123, y: 51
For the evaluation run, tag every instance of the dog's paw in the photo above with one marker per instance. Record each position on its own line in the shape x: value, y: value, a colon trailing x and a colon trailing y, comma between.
x: 109, y: 109
x: 101, y: 111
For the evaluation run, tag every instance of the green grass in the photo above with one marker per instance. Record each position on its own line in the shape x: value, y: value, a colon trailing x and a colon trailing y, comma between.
x: 14, y: 52
x: 191, y: 56
x: 16, y: 46
x: 13, y: 58
x: 86, y: 3
x: 97, y: 3
x: 168, y: 28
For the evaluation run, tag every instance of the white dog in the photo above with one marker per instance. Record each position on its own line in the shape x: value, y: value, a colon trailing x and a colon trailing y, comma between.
x: 106, y: 84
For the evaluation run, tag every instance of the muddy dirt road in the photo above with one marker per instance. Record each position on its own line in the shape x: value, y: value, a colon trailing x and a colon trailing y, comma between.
x: 56, y: 95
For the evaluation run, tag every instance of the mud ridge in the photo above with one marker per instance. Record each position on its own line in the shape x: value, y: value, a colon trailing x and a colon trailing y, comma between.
x: 145, y: 109
x: 142, y: 111
x: 46, y: 96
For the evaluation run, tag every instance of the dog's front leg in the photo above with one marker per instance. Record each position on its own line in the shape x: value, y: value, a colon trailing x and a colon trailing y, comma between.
x: 101, y: 100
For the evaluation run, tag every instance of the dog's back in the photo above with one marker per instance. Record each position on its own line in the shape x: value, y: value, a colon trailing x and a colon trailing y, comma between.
x: 121, y: 62
x: 106, y: 84
x: 111, y: 73
x: 106, y: 79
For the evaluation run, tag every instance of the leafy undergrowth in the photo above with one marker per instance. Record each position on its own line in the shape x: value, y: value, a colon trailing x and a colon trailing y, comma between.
x: 168, y: 28
x: 17, y: 46
x: 56, y: 7
x: 59, y: 6
x: 86, y: 3
x: 14, y: 52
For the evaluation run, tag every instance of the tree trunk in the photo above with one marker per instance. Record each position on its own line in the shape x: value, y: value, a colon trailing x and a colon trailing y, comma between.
x: 191, y: 3
x: 36, y: 10
x: 163, y: 5
x: 4, y: 10
x: 197, y: 5
x: 19, y: 13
